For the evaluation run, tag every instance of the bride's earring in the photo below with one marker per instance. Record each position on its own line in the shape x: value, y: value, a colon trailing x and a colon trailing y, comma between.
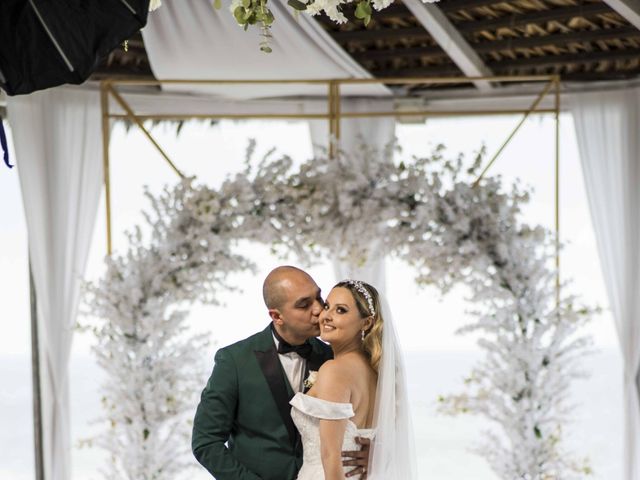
x: 362, y: 335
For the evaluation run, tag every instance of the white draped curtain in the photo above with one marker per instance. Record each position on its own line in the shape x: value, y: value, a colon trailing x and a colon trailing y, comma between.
x: 57, y: 138
x: 377, y: 132
x: 608, y: 132
x: 187, y: 39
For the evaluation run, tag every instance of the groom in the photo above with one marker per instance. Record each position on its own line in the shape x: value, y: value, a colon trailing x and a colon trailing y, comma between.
x: 243, y: 429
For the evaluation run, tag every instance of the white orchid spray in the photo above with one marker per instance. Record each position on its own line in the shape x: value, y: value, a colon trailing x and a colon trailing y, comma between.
x: 429, y: 213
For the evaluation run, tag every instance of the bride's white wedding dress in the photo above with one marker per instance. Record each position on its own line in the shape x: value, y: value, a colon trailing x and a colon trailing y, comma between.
x: 392, y: 454
x: 306, y: 413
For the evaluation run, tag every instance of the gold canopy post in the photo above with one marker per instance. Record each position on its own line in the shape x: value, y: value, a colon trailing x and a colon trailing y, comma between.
x: 104, y: 104
x: 531, y: 109
x: 557, y: 187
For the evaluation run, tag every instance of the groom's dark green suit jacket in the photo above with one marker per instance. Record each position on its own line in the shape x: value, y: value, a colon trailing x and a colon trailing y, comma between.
x: 243, y: 428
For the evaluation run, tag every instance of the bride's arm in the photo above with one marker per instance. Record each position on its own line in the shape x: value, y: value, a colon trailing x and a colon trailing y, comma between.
x: 332, y: 385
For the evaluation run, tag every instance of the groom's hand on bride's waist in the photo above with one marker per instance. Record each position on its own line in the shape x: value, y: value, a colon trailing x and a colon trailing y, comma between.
x: 358, y: 459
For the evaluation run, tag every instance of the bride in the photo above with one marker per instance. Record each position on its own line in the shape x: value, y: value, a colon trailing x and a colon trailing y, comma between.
x: 360, y: 393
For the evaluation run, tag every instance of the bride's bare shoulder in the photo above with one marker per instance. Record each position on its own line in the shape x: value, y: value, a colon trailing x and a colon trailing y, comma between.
x: 333, y: 382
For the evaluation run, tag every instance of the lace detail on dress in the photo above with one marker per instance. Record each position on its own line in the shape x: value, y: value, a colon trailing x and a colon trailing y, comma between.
x: 306, y: 413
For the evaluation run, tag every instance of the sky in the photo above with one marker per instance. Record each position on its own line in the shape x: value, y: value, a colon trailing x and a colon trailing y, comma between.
x: 425, y: 320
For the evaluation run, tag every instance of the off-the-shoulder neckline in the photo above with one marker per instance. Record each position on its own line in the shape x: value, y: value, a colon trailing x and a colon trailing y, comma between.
x: 307, y: 397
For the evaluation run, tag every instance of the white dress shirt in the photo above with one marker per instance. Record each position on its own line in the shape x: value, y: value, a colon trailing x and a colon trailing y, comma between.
x: 294, y: 366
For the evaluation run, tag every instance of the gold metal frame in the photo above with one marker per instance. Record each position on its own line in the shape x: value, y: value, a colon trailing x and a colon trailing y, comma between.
x: 334, y: 115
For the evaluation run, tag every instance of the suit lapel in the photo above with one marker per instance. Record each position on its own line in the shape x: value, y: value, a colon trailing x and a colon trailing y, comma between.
x: 272, y: 370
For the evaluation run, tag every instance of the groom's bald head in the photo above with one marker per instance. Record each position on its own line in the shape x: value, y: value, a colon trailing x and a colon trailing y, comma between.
x: 278, y: 282
x: 294, y: 303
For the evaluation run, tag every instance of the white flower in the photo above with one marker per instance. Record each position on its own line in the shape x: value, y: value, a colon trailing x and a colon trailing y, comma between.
x: 382, y: 4
x: 330, y: 7
x: 311, y: 379
x: 429, y: 216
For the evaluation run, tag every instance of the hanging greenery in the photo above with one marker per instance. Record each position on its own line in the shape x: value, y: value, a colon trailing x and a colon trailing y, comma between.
x: 257, y: 12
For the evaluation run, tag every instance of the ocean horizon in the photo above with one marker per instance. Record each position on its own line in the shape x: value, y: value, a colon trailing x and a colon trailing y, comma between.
x: 443, y: 443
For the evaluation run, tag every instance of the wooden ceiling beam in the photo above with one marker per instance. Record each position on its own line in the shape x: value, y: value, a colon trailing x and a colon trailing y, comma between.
x: 601, y: 76
x: 519, y: 20
x: 408, y: 53
x: 435, y: 71
x: 572, y: 58
x: 509, y: 44
x: 559, y: 14
x: 558, y: 39
x: 628, y: 9
x: 451, y: 6
x: 368, y: 36
x: 451, y: 41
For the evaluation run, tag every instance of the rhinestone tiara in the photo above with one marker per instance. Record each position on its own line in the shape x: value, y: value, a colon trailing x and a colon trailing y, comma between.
x: 359, y: 286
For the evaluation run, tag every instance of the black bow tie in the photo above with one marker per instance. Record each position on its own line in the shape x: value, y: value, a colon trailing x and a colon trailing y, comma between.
x: 284, y: 347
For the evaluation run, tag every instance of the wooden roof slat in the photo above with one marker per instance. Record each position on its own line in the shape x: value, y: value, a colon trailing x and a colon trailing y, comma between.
x: 556, y: 14
x: 449, y: 6
x: 557, y: 39
x: 502, y: 45
x: 435, y: 71
x: 561, y: 60
x: 599, y: 76
x: 380, y: 34
x: 389, y: 54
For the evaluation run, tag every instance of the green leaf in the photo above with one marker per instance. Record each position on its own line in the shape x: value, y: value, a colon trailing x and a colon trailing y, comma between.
x: 146, y: 433
x: 537, y: 431
x: 238, y: 14
x: 297, y: 5
x: 247, y: 16
x: 266, y: 49
x: 363, y: 10
x: 268, y: 18
x: 246, y: 3
x: 367, y: 20
x: 217, y: 4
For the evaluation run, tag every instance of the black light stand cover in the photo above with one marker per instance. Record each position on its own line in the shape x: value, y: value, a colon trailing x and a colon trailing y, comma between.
x: 45, y: 43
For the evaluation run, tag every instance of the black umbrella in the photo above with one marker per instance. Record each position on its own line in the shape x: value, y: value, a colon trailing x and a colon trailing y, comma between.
x: 45, y: 43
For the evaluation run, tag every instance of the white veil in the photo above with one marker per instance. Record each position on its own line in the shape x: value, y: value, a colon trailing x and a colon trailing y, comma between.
x: 392, y: 454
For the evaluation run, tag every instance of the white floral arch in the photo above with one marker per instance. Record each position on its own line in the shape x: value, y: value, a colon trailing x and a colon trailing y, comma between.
x: 428, y: 213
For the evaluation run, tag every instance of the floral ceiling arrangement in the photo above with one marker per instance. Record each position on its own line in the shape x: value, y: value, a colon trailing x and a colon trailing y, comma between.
x: 257, y: 12
x: 429, y: 214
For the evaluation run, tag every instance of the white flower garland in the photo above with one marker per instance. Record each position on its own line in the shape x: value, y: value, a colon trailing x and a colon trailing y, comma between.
x: 428, y: 214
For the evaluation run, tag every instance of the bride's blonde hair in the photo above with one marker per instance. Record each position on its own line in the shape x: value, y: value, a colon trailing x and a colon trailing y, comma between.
x: 372, y: 344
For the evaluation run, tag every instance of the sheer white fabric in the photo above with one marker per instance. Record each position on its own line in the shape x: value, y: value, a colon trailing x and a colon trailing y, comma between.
x: 190, y: 40
x: 306, y: 413
x: 57, y: 138
x: 608, y: 132
x: 393, y: 453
